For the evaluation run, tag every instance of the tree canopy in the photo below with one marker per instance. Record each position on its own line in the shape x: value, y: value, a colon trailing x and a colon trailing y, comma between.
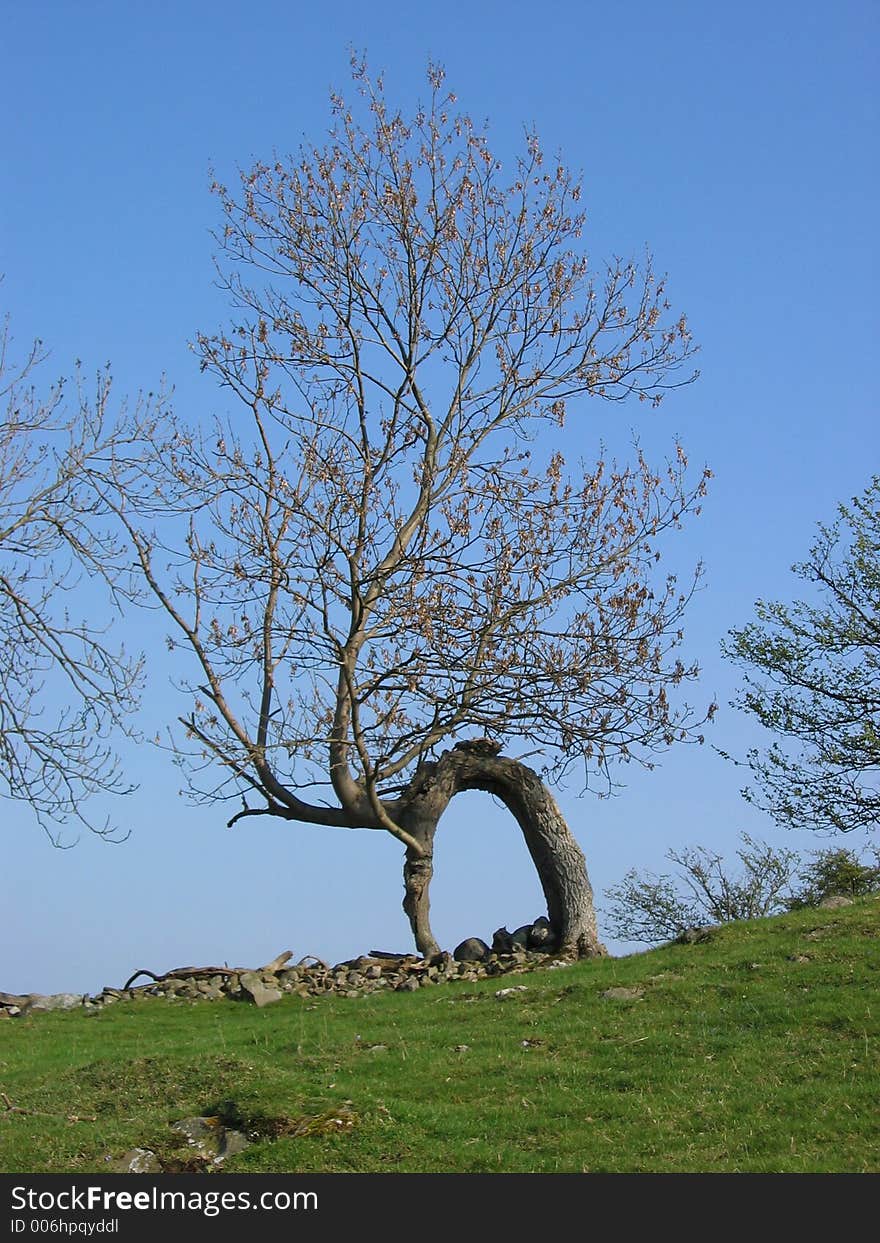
x: 812, y: 677
x: 384, y: 548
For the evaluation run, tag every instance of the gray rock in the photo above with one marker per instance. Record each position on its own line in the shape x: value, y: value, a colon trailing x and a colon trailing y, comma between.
x: 136, y: 1161
x: 361, y: 963
x: 233, y: 1142
x: 834, y: 901
x: 203, y: 1134
x: 521, y: 936
x: 259, y: 993
x: 15, y: 999
x: 541, y: 935
x: 55, y: 1001
x: 694, y: 936
x: 210, y: 1138
x: 471, y: 950
x: 623, y: 994
x: 502, y: 941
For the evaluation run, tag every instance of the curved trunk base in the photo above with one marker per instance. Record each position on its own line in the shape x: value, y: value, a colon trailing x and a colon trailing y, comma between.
x: 557, y: 857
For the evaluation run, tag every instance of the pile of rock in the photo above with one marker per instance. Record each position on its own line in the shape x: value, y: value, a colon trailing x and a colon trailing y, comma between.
x: 528, y: 947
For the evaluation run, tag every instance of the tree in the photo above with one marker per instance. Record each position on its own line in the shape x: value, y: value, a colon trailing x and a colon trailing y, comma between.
x: 384, y: 550
x: 813, y: 678
x: 64, y: 689
x: 650, y: 908
x: 834, y: 873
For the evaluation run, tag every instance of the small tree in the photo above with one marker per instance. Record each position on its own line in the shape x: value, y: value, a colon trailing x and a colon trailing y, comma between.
x: 63, y: 688
x: 836, y: 872
x: 649, y: 908
x: 813, y: 679
x: 384, y: 550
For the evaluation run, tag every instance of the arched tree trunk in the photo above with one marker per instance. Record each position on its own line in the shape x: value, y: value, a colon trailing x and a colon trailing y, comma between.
x: 556, y: 855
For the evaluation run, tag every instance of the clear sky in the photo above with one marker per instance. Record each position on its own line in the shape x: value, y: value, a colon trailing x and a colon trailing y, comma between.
x: 738, y: 142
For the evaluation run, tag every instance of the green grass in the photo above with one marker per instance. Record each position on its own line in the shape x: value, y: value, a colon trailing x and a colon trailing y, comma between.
x: 756, y: 1051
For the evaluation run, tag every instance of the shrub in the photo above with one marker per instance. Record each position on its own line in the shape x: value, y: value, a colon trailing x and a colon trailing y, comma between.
x: 836, y: 872
x: 649, y: 908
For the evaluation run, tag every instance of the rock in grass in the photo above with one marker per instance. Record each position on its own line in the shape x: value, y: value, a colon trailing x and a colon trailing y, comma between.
x: 695, y: 936
x: 54, y: 1001
x: 260, y: 993
x: 210, y: 1138
x: 136, y: 1161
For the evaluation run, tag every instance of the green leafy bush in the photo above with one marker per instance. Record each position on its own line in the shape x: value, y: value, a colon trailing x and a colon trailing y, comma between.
x: 836, y: 872
x: 704, y: 889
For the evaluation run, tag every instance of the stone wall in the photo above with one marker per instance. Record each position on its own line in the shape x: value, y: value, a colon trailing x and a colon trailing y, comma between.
x: 529, y: 947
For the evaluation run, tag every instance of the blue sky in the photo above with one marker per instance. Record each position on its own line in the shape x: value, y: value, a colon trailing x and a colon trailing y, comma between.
x: 737, y: 142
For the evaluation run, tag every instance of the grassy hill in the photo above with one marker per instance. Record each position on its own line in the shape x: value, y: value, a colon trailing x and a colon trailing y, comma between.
x: 754, y: 1051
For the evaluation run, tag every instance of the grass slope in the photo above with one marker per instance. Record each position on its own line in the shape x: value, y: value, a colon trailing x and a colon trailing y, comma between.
x: 756, y: 1051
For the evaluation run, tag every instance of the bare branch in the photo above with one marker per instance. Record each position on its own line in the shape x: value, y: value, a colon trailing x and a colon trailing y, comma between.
x: 65, y: 687
x: 386, y: 549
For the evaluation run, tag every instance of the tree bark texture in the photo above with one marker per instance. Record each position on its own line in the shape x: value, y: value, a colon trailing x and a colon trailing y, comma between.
x: 557, y: 857
x: 417, y: 873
